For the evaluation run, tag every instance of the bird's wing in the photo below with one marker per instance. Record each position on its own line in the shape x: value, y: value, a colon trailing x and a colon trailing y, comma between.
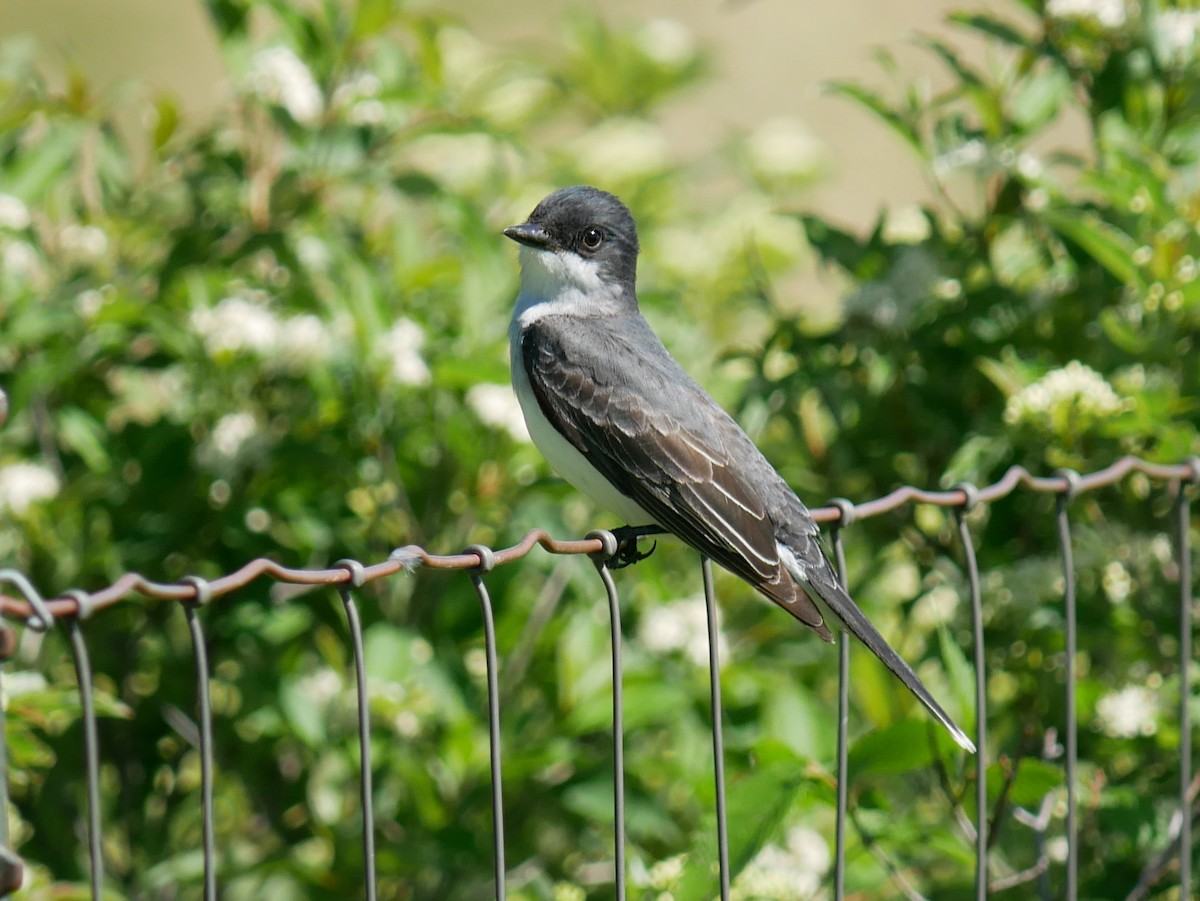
x: 660, y: 439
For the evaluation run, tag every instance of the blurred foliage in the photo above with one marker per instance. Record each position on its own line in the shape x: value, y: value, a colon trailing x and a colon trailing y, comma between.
x: 280, y: 331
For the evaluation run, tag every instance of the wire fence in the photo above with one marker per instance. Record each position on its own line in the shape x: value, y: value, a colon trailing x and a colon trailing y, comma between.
x: 72, y: 609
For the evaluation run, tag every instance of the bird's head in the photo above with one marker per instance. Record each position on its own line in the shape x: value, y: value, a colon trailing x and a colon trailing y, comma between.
x: 578, y: 238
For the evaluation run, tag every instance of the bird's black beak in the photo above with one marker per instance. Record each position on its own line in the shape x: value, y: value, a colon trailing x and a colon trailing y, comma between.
x: 530, y: 235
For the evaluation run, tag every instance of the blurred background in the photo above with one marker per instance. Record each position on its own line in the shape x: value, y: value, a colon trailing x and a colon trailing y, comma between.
x: 253, y: 302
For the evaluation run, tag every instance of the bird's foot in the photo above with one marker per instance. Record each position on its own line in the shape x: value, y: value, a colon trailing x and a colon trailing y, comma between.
x: 627, y: 545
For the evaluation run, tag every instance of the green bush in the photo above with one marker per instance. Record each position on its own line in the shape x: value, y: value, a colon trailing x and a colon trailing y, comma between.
x: 280, y: 331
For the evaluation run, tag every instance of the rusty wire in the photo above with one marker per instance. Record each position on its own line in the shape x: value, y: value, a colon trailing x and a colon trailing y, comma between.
x: 74, y: 607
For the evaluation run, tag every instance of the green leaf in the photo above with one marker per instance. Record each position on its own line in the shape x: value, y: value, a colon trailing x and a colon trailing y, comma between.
x: 81, y: 433
x: 1104, y: 243
x: 992, y: 27
x: 877, y: 105
x: 901, y: 747
x: 757, y: 804
x: 961, y: 675
x: 1034, y: 780
x: 1039, y: 98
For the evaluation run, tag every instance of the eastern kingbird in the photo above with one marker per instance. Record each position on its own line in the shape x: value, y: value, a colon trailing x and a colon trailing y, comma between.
x: 618, y: 418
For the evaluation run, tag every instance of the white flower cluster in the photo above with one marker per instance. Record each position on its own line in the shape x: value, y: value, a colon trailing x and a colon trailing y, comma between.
x: 237, y: 325
x: 13, y: 213
x: 936, y: 607
x: 497, y: 406
x: 83, y: 243
x: 784, y: 150
x: 1117, y: 582
x: 791, y: 873
x: 704, y: 250
x: 1177, y: 35
x: 1127, y: 713
x: 401, y: 346
x: 24, y: 484
x: 1108, y: 13
x: 667, y: 42
x: 1072, y: 390
x: 682, y: 626
x: 359, y: 98
x: 620, y: 150
x: 278, y: 76
x: 231, y: 433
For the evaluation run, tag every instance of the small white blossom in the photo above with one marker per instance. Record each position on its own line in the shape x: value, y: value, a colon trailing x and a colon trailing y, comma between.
x: 20, y: 259
x: 13, y: 212
x: 1117, y: 582
x: 320, y: 687
x: 792, y: 873
x: 682, y: 626
x: 462, y: 162
x: 24, y: 484
x: 1057, y: 848
x: 1175, y: 34
x: 565, y: 891
x: 313, y: 253
x: 231, y: 432
x: 304, y: 341
x: 1108, y: 13
x: 667, y: 42
x: 513, y: 100
x: 83, y: 243
x: 358, y: 97
x: 620, y: 150
x: 906, y: 225
x: 236, y: 324
x: 23, y: 682
x: 497, y: 406
x: 401, y: 345
x: 1061, y: 396
x: 936, y: 607
x: 665, y: 874
x: 966, y: 155
x: 783, y: 149
x: 1127, y: 713
x: 278, y: 76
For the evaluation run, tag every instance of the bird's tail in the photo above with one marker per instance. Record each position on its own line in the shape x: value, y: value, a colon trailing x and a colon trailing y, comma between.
x: 842, y: 612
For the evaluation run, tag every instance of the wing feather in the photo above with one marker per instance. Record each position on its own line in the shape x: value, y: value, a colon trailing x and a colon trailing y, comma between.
x: 675, y: 467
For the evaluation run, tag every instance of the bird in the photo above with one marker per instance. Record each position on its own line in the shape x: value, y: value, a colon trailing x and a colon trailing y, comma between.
x: 617, y: 416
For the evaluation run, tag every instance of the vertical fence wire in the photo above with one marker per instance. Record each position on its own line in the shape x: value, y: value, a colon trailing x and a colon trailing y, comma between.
x: 843, y: 713
x: 981, y: 814
x: 714, y: 678
x: 600, y: 561
x: 11, y: 868
x: 83, y: 677
x: 1066, y: 554
x: 366, y: 791
x: 204, y: 709
x: 487, y: 561
x: 1182, y: 527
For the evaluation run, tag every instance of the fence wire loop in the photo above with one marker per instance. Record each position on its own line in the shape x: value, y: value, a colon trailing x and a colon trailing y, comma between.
x: 358, y: 572
x: 1192, y: 464
x: 608, y: 544
x: 847, y: 512
x: 41, y: 619
x: 970, y: 493
x: 84, y: 605
x: 203, y: 589
x: 1071, y: 480
x: 487, y: 557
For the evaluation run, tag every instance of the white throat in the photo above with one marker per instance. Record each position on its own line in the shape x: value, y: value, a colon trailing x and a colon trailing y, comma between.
x: 560, y: 282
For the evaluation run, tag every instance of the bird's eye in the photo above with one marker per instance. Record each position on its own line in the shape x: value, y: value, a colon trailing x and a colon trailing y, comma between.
x: 592, y: 238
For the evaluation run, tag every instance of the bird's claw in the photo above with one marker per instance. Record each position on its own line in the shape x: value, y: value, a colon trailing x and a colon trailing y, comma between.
x: 627, y: 547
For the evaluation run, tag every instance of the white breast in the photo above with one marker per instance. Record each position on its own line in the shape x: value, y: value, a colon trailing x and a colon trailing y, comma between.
x: 560, y: 453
